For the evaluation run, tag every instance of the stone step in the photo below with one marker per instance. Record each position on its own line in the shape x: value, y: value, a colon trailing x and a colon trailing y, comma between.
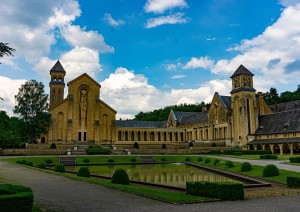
x: 67, y: 160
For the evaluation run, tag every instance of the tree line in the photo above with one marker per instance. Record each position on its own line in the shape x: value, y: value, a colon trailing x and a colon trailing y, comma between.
x: 272, y: 97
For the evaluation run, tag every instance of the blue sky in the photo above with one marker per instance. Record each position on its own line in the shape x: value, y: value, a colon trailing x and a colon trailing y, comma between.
x: 148, y: 54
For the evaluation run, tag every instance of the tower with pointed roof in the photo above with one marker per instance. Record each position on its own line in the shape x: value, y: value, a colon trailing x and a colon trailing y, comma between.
x: 57, y: 84
x: 243, y: 102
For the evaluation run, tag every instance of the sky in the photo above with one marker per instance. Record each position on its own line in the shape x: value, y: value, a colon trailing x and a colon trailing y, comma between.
x: 148, y: 54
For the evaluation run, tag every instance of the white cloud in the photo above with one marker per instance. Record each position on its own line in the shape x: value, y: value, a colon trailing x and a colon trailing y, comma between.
x: 201, y: 62
x: 112, y: 22
x: 178, y: 76
x: 173, y: 66
x: 159, y: 6
x: 287, y: 3
x: 177, y: 18
x: 78, y: 37
x: 210, y: 39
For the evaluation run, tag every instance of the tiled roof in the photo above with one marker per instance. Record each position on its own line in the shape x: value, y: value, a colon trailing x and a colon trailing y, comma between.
x: 194, y: 118
x: 180, y: 114
x: 57, y: 67
x: 227, y: 101
x: 284, y: 122
x: 241, y: 71
x: 141, y: 124
x: 293, y: 105
x: 275, y: 141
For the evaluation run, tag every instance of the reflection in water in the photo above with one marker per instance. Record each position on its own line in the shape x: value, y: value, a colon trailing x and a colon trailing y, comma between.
x: 165, y: 174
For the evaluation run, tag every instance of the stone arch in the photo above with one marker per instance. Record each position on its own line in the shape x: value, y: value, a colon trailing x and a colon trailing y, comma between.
x: 139, y: 136
x: 159, y: 136
x: 171, y: 136
x: 259, y: 146
x: 132, y: 136
x: 152, y: 136
x: 296, y: 148
x: 119, y: 135
x: 286, y: 149
x: 145, y: 135
x: 165, y: 136
x: 276, y: 149
x: 182, y: 136
x: 43, y: 140
x: 126, y: 135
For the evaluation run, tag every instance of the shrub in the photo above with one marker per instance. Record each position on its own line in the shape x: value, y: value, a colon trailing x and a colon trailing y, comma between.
x: 136, y: 145
x: 19, y: 161
x: 247, y: 152
x: 132, y: 159
x: 164, y: 146
x: 295, y: 160
x: 191, y: 144
x: 59, y: 168
x: 110, y: 160
x: 293, y: 182
x: 41, y: 166
x: 246, y: 166
x: 29, y: 163
x: 187, y: 159
x: 23, y: 162
x: 86, y: 160
x: 53, y: 146
x: 215, y: 152
x: 15, y: 198
x: 270, y: 171
x: 269, y: 156
x: 216, y: 162
x: 97, y: 150
x: 120, y: 177
x: 83, y: 172
x: 163, y: 159
x: 48, y: 161
x: 219, y: 190
x: 207, y: 160
x: 237, y: 153
x: 229, y: 164
x: 199, y: 159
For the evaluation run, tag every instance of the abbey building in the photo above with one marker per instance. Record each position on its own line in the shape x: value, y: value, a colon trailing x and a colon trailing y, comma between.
x: 241, y: 118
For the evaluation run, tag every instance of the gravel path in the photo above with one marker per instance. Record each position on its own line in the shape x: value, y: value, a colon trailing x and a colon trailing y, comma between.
x: 57, y: 193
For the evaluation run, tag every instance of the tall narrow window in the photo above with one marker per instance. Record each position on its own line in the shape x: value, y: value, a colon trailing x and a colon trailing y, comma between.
x: 248, y: 116
x: 79, y: 136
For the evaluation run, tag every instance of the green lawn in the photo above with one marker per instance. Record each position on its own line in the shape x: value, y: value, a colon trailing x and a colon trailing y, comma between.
x: 34, y: 160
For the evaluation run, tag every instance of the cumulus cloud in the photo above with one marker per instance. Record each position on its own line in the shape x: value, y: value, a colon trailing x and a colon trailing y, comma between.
x: 201, y: 62
x: 176, y: 18
x: 112, y: 22
x: 287, y: 3
x: 159, y: 6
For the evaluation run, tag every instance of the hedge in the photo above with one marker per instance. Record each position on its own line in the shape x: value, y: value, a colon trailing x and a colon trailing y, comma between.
x: 41, y: 166
x: 270, y: 171
x: 293, y: 182
x: 295, y: 160
x: 15, y: 198
x: 229, y: 164
x: 120, y: 176
x: 83, y: 172
x: 219, y: 190
x: 97, y: 150
x: 268, y: 156
x: 59, y: 168
x: 216, y: 162
x: 246, y: 166
x: 207, y: 160
x: 48, y: 161
x: 247, y: 152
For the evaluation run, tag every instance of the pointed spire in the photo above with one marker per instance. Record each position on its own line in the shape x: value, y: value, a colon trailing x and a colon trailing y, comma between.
x: 241, y: 71
x: 57, y: 67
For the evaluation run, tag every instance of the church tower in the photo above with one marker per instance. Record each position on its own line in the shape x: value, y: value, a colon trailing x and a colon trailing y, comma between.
x: 57, y: 84
x: 243, y: 101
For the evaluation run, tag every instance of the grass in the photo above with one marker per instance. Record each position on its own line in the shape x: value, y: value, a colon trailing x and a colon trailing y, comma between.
x: 103, y: 159
x: 34, y: 160
x: 256, y: 157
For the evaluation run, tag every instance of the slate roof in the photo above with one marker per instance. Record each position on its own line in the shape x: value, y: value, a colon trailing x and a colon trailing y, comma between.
x: 58, y: 67
x: 284, y: 122
x: 141, y: 124
x: 227, y: 101
x: 241, y: 71
x: 194, y: 118
x: 180, y: 114
x: 275, y: 141
x: 293, y: 105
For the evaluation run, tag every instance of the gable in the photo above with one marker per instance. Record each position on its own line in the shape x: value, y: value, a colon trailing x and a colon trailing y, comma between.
x: 85, y: 78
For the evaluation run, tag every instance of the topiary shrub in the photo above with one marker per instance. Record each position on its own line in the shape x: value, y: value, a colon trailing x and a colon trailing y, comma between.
x: 163, y: 159
x: 41, y: 166
x: 293, y: 182
x: 86, y: 160
x: 59, y: 168
x: 246, y: 166
x: 29, y: 163
x: 292, y: 160
x: 199, y: 159
x: 164, y: 146
x: 216, y: 162
x: 19, y: 161
x: 110, y: 160
x: 270, y: 171
x: 207, y: 160
x: 229, y: 164
x: 53, y: 146
x: 48, y: 161
x: 83, y: 172
x: 187, y: 159
x: 120, y: 177
x: 132, y: 159
x: 23, y: 162
x: 136, y: 145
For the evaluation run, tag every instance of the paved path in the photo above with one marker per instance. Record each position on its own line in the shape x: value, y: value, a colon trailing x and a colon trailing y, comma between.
x: 278, y: 163
x: 57, y: 193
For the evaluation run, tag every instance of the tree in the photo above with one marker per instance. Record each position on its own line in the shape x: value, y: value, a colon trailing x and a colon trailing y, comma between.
x: 32, y: 105
x: 6, y: 50
x: 272, y: 97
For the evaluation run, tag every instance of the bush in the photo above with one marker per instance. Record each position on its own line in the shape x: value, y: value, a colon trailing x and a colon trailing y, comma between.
x: 207, y: 160
x: 110, y: 160
x: 246, y: 166
x: 132, y: 159
x: 295, y: 160
x: 247, y: 152
x: 97, y: 150
x: 199, y: 159
x: 83, y: 172
x: 53, y: 146
x: 86, y: 160
x: 270, y: 171
x: 237, y: 153
x: 136, y: 145
x: 215, y: 152
x: 216, y: 162
x: 29, y: 163
x: 164, y: 146
x: 120, y: 177
x: 191, y: 144
x: 41, y: 166
x: 163, y: 159
x: 19, y: 161
x: 48, y: 161
x: 15, y: 198
x: 23, y: 162
x: 293, y: 182
x: 229, y: 164
x: 219, y: 190
x: 187, y: 159
x: 59, y: 168
x: 269, y: 156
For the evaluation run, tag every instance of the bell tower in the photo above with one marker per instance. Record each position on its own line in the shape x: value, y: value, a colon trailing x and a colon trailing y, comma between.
x: 243, y: 104
x: 57, y: 84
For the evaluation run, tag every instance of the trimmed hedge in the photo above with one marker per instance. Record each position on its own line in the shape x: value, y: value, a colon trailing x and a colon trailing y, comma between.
x: 207, y: 160
x: 246, y: 166
x: 163, y: 159
x: 29, y: 163
x: 110, y: 160
x: 24, y: 162
x: 48, y: 161
x: 15, y: 198
x: 199, y: 159
x: 295, y: 160
x: 219, y: 190
x: 293, y: 182
x: 229, y: 164
x: 247, y: 152
x: 86, y: 160
x: 120, y: 176
x: 187, y: 159
x: 83, y: 172
x: 132, y: 159
x: 216, y: 152
x: 269, y: 156
x: 41, y: 166
x: 59, y: 168
x: 270, y: 171
x: 216, y: 162
x: 97, y: 150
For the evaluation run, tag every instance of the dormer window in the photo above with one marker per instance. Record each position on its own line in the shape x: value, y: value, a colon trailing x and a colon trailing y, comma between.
x: 260, y: 128
x: 286, y: 125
